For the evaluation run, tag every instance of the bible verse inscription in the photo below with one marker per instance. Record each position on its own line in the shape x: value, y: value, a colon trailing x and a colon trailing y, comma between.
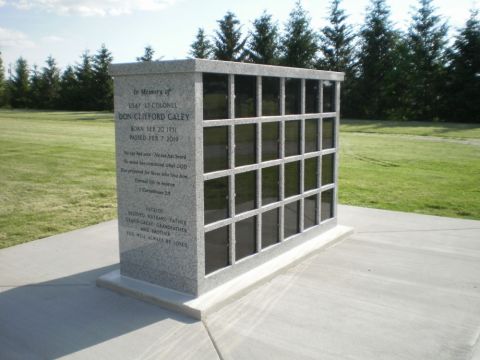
x: 153, y: 161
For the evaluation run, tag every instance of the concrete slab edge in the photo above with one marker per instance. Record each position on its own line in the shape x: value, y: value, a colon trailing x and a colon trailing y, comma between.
x: 199, y: 307
x: 476, y: 348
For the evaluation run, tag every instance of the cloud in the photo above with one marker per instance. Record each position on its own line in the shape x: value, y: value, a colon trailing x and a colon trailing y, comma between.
x: 90, y: 7
x: 52, y: 39
x: 14, y: 39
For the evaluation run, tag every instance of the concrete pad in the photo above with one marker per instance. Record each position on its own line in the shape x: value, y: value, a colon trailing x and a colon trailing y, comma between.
x: 377, y: 221
x: 405, y: 286
x: 84, y: 322
x: 51, y: 308
x: 61, y: 255
x: 199, y: 307
x: 388, y: 295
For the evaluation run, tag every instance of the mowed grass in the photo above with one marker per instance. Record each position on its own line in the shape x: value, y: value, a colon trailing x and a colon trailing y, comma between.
x: 57, y: 173
x: 428, y: 168
x: 418, y: 128
x: 57, y: 170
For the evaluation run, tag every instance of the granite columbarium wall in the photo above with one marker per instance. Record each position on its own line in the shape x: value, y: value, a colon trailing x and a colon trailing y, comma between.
x: 226, y: 173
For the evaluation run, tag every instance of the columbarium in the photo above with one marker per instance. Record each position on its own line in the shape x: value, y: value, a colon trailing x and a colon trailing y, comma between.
x: 226, y: 174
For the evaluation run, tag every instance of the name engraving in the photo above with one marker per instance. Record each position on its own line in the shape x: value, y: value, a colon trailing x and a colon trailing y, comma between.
x: 153, y: 166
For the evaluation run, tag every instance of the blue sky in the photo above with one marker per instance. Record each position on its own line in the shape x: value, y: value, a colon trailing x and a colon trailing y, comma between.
x: 36, y: 29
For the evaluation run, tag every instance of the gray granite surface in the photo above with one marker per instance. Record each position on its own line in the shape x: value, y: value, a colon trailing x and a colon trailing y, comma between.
x: 159, y: 156
x: 217, y: 66
x: 155, y: 150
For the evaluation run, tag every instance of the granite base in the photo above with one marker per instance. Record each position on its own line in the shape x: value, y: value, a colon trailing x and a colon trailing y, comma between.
x: 199, y: 307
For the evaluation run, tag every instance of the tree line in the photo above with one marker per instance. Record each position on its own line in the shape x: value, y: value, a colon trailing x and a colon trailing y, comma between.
x: 417, y: 74
x: 390, y: 74
x: 85, y: 86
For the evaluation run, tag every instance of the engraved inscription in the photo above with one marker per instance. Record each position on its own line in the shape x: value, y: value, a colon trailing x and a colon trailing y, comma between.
x: 154, y: 166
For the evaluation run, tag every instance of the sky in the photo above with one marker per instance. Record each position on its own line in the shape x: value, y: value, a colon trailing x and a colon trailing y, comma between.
x: 64, y: 29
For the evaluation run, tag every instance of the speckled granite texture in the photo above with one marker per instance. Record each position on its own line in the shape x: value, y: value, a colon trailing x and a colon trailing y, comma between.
x: 159, y: 153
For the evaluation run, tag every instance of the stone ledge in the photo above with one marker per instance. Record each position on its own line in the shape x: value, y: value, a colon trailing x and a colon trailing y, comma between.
x: 200, y: 307
x: 219, y: 67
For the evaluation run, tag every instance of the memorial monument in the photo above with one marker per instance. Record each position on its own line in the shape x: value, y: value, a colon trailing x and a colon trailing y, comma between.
x: 226, y: 174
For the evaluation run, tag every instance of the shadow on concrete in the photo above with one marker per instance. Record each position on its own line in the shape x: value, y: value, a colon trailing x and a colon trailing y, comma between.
x: 63, y: 316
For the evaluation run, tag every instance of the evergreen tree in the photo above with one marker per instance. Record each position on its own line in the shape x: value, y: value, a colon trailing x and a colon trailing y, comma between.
x: 19, y: 85
x: 337, y: 47
x: 147, y: 55
x: 299, y: 44
x: 201, y: 48
x: 36, y: 89
x: 85, y: 83
x: 263, y: 47
x: 426, y: 41
x: 228, y: 44
x: 464, y: 71
x: 69, y: 90
x: 398, y: 82
x: 50, y: 84
x: 373, y: 95
x: 102, y: 81
x: 3, y: 84
x: 337, y: 50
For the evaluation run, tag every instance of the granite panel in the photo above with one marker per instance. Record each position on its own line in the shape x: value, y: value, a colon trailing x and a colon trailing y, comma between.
x: 162, y: 178
x: 220, y: 67
x: 155, y: 156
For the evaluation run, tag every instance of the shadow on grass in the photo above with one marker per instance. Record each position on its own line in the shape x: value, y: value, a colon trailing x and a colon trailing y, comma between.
x: 58, y: 114
x: 431, y: 128
x: 60, y: 317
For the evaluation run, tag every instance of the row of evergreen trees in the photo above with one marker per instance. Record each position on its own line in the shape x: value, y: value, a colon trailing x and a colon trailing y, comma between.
x: 390, y: 74
x: 85, y: 86
x: 412, y: 75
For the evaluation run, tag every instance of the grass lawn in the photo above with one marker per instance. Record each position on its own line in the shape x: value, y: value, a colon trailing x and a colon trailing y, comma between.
x: 435, y: 129
x: 57, y: 170
x: 57, y: 173
x: 428, y: 168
